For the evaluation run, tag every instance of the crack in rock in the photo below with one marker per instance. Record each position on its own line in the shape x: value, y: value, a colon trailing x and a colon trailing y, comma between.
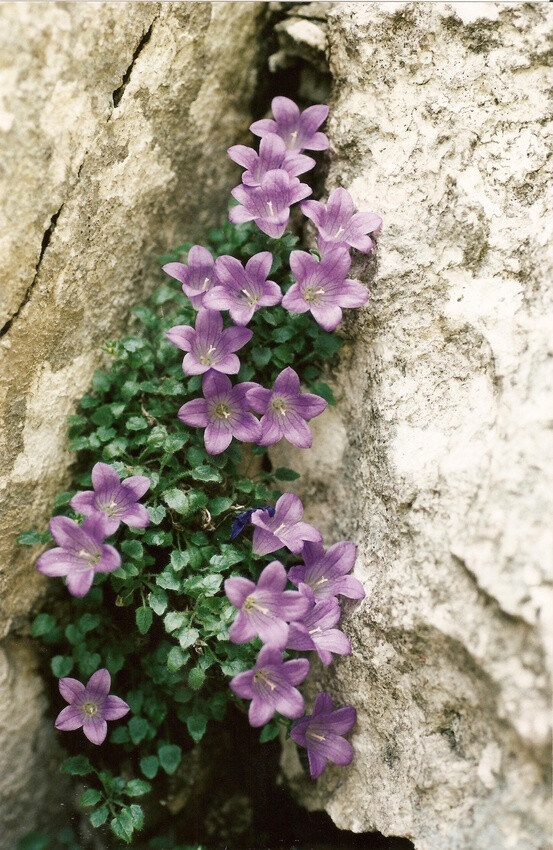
x: 44, y: 245
x: 120, y: 91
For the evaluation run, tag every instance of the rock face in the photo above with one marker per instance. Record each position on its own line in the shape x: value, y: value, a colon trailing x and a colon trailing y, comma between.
x: 437, y: 460
x: 114, y: 122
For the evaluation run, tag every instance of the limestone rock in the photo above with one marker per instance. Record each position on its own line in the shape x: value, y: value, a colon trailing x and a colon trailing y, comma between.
x: 443, y: 453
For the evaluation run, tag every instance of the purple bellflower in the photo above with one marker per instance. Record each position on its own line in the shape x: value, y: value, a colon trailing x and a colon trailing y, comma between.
x: 321, y: 734
x: 242, y: 291
x: 273, y: 155
x: 223, y: 412
x: 285, y: 410
x: 270, y: 686
x: 326, y: 573
x: 208, y: 345
x: 316, y: 630
x: 117, y: 500
x: 322, y: 287
x: 269, y: 203
x: 197, y: 277
x: 265, y: 608
x: 339, y: 225
x: 298, y: 129
x: 80, y: 553
x: 244, y: 519
x: 90, y: 706
x: 284, y: 528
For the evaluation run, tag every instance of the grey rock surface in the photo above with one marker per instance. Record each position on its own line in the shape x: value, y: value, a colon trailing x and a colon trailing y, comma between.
x: 437, y: 460
x: 114, y: 122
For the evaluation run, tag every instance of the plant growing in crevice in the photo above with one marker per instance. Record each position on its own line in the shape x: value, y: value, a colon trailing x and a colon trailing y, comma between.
x: 161, y: 472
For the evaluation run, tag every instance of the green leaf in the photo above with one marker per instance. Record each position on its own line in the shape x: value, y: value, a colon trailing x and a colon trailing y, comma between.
x: 185, y: 503
x: 122, y: 826
x: 179, y: 559
x: 149, y: 766
x: 42, y: 624
x: 77, y: 766
x: 196, y: 725
x: 188, y: 637
x: 322, y: 389
x: 157, y: 514
x: 157, y: 600
x: 87, y: 622
x: 138, y: 729
x: 99, y: 816
x: 133, y: 548
x: 34, y: 841
x: 196, y: 678
x: 174, y: 620
x: 136, y: 423
x: 228, y: 557
x: 90, y: 797
x: 269, y: 732
x: 169, y: 757
x: 144, y: 618
x: 177, y: 659
x: 219, y: 505
x: 206, y: 473
x: 168, y: 579
x: 209, y: 585
x: 62, y: 499
x: 137, y: 814
x: 31, y: 538
x: 61, y: 665
x: 261, y: 356
x: 285, y: 474
x: 137, y: 787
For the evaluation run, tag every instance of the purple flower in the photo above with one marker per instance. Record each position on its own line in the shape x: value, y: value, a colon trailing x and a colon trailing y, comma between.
x: 326, y: 572
x: 208, y: 345
x: 242, y: 291
x: 244, y: 519
x: 273, y: 155
x: 339, y: 225
x: 316, y: 629
x: 90, y: 706
x: 322, y: 287
x: 196, y: 278
x: 115, y: 499
x: 321, y: 734
x: 265, y: 608
x: 80, y: 554
x: 270, y: 686
x: 299, y: 130
x: 284, y: 528
x: 285, y: 410
x: 223, y: 412
x: 269, y: 203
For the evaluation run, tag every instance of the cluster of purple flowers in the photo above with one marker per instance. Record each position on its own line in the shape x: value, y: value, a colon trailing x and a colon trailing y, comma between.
x: 81, y: 551
x: 304, y: 619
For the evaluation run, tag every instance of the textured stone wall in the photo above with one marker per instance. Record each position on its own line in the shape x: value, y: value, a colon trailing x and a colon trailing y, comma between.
x: 437, y: 460
x: 114, y: 121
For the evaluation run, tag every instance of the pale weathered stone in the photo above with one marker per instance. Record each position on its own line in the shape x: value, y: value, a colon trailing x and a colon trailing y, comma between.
x: 442, y: 468
x: 114, y: 124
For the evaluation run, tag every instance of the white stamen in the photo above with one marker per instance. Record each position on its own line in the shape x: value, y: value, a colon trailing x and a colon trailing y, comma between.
x: 205, y: 284
x: 339, y: 232
x: 270, y: 207
x: 279, y: 529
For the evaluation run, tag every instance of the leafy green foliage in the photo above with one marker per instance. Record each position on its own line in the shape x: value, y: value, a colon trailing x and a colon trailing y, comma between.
x: 160, y: 622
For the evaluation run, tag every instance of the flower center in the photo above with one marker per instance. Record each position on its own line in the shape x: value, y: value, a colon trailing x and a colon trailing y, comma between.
x: 251, y: 299
x: 313, y: 631
x: 206, y: 359
x: 205, y: 284
x: 221, y: 411
x: 270, y: 207
x: 91, y: 558
x: 281, y: 527
x: 251, y: 604
x: 262, y: 676
x: 339, y: 232
x: 279, y: 405
x: 293, y: 137
x: 311, y: 294
x: 313, y: 735
x: 90, y: 708
x: 318, y: 583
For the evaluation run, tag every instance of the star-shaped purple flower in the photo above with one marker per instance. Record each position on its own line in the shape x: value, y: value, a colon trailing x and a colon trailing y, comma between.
x: 321, y: 734
x: 326, y: 573
x: 298, y: 129
x: 265, y: 608
x: 117, y: 500
x: 90, y: 706
x: 269, y: 203
x: 285, y: 410
x: 80, y: 553
x: 339, y: 225
x: 242, y: 291
x: 273, y: 155
x: 316, y: 630
x: 223, y: 412
x: 197, y: 277
x: 284, y: 528
x: 322, y: 287
x: 208, y: 345
x: 270, y: 686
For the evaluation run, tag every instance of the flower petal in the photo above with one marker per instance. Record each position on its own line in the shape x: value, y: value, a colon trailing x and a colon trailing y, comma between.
x: 71, y: 689
x: 182, y: 336
x: 84, y: 502
x: 99, y: 684
x: 317, y: 763
x: 79, y: 583
x: 273, y: 577
x: 242, y: 630
x: 259, y: 712
x: 217, y: 438
x: 68, y: 719
x: 194, y: 413
x: 104, y: 477
x: 265, y: 542
x: 296, y: 670
x: 136, y: 517
x: 241, y: 684
x: 111, y: 559
x: 137, y: 484
x: 95, y: 729
x: 115, y: 708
